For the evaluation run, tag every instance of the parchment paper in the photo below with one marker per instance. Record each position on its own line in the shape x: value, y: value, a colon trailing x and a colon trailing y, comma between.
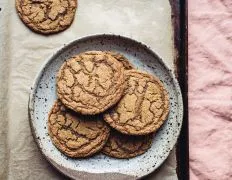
x: 22, y: 52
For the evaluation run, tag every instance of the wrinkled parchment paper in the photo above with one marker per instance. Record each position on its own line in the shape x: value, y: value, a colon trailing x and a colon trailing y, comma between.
x: 22, y: 52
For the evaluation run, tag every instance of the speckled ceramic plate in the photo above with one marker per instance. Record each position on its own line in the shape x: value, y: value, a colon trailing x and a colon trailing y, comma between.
x: 100, y: 166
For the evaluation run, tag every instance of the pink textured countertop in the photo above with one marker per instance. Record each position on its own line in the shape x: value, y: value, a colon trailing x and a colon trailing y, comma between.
x: 210, y: 89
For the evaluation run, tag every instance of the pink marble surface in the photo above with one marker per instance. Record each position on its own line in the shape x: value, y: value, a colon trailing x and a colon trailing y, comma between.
x: 210, y: 89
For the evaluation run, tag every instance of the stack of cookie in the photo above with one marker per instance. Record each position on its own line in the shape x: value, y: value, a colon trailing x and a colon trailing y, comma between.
x: 105, y: 105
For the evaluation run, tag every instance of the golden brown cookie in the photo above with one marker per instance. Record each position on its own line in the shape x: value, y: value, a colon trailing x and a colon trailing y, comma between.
x: 47, y: 16
x: 90, y: 82
x: 125, y: 62
x: 143, y: 107
x: 76, y: 135
x: 126, y: 146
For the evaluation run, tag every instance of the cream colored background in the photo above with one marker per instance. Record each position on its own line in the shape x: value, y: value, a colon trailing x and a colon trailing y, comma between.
x: 22, y: 52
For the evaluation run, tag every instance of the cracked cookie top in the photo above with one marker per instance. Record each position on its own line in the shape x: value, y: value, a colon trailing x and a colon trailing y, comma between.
x: 122, y: 59
x: 90, y: 82
x: 47, y: 16
x: 143, y: 107
x: 76, y: 135
x: 126, y: 146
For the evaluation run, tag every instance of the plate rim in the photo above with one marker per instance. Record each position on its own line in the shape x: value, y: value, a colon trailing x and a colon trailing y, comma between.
x: 83, y: 38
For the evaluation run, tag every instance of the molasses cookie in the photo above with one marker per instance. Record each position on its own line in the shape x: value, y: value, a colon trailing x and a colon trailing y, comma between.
x: 76, y: 135
x: 126, y: 146
x: 91, y: 82
x: 143, y: 107
x: 47, y: 16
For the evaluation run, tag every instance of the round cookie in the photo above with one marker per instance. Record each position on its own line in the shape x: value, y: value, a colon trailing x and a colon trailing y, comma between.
x: 125, y: 62
x: 126, y: 146
x: 143, y: 107
x: 90, y: 82
x: 46, y: 16
x: 76, y: 135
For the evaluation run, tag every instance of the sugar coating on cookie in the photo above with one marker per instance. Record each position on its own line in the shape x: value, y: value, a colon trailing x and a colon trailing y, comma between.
x: 143, y: 107
x: 91, y: 82
x: 47, y: 16
x: 126, y: 146
x: 76, y: 135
